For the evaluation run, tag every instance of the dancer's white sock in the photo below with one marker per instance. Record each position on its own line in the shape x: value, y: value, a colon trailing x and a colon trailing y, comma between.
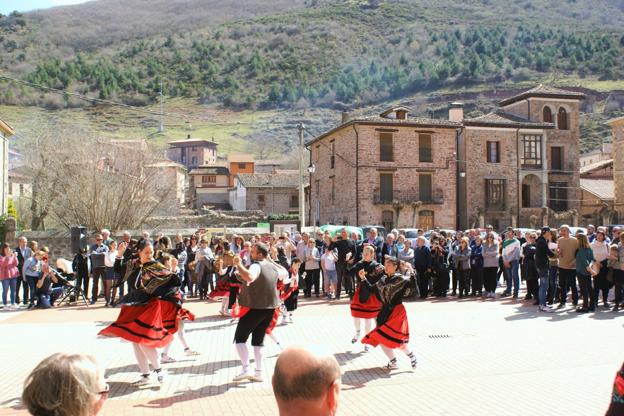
x: 388, y: 351
x: 224, y: 303
x: 369, y: 325
x: 243, y: 354
x: 141, y: 359
x: 258, y: 358
x: 357, y: 322
x: 182, y: 335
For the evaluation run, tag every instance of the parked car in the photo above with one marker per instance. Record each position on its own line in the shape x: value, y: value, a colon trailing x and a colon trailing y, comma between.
x: 337, y: 229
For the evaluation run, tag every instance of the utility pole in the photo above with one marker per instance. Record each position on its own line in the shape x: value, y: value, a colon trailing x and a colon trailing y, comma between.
x: 301, y: 178
x: 161, y: 128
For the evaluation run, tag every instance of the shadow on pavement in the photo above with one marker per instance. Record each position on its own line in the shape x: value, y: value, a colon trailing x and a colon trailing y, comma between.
x: 183, y: 396
x: 357, y: 379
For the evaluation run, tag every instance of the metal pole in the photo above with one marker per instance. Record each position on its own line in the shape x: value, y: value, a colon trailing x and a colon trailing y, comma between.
x: 161, y: 128
x: 301, y: 178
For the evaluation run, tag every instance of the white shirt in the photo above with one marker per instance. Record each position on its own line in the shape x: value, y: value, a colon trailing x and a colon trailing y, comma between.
x: 600, y: 249
x: 255, y: 269
x: 109, y: 259
x: 329, y: 261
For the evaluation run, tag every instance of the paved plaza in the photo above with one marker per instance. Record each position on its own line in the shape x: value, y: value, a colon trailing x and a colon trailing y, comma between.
x: 476, y: 357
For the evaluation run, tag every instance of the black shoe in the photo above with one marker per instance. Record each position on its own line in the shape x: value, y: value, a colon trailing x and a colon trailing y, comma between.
x: 92, y: 302
x: 527, y: 297
x: 616, y: 308
x: 505, y: 294
x: 575, y: 303
x: 582, y: 310
x: 453, y: 293
x: 606, y: 305
x: 515, y: 296
x: 561, y: 305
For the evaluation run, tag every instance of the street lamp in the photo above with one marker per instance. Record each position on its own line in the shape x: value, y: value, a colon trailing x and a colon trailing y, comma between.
x: 312, y: 169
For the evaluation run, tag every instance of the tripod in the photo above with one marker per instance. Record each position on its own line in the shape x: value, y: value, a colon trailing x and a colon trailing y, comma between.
x: 72, y: 291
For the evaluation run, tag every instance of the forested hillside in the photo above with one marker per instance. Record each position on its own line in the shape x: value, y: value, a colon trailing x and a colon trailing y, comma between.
x: 311, y: 54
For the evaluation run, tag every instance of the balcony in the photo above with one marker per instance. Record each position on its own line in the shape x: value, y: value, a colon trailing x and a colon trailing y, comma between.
x: 408, y: 197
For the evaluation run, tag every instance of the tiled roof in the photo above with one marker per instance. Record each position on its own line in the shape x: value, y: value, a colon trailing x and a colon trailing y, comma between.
x: 268, y: 162
x: 393, y: 122
x: 543, y: 91
x: 595, y: 166
x: 602, y: 188
x: 210, y: 170
x: 240, y: 158
x: 192, y: 142
x: 269, y: 180
x: 503, y: 119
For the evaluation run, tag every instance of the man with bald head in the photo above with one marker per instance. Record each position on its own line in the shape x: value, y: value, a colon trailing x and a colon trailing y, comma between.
x: 306, y: 383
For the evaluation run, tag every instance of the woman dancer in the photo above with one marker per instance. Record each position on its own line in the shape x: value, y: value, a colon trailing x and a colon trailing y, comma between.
x: 167, y: 261
x: 392, y: 331
x: 150, y: 311
x: 290, y: 293
x: 365, y: 304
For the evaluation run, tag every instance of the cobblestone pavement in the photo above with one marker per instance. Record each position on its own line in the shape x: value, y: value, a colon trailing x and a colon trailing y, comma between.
x: 476, y: 357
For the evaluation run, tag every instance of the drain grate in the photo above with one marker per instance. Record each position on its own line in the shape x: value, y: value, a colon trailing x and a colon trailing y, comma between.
x: 439, y: 336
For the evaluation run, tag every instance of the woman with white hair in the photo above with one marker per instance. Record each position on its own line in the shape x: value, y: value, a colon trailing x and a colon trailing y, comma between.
x: 65, y: 385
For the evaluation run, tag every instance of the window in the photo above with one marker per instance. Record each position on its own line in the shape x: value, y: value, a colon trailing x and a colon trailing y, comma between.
x: 21, y: 189
x: 385, y: 187
x: 425, y: 220
x: 562, y: 119
x: 332, y: 158
x: 209, y: 180
x: 182, y: 155
x: 194, y: 160
x: 424, y: 148
x: 294, y: 201
x: 556, y: 158
x: 547, y: 115
x: 387, y: 220
x: 558, y: 200
x: 526, y: 195
x: 261, y: 200
x: 333, y: 189
x: 495, y: 194
x: 424, y: 188
x: 493, y: 152
x: 242, y: 165
x: 532, y: 146
x: 385, y: 147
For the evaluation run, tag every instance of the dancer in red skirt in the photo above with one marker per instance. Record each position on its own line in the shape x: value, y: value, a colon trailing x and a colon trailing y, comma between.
x: 165, y: 358
x: 365, y: 305
x: 222, y: 290
x: 392, y: 331
x: 150, y: 311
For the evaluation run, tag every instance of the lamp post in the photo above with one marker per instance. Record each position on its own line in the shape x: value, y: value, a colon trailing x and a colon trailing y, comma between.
x: 301, y: 178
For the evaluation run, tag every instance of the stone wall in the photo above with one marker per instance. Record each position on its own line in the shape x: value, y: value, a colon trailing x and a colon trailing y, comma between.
x: 276, y: 201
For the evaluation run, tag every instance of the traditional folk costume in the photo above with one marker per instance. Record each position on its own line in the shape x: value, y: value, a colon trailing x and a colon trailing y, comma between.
x: 364, y: 304
x: 392, y: 331
x: 289, y: 296
x: 150, y: 313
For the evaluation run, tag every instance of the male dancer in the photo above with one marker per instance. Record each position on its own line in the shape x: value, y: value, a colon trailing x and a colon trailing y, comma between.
x: 260, y: 295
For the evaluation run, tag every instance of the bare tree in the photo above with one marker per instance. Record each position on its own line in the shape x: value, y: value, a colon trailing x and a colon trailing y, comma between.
x: 81, y: 179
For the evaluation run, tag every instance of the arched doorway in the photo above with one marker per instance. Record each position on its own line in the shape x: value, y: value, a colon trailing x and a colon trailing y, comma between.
x: 387, y: 219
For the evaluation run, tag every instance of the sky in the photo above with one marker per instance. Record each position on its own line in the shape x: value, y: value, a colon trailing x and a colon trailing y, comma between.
x: 7, y: 6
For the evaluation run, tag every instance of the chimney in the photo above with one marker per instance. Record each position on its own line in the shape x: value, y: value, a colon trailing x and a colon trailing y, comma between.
x: 456, y: 112
x: 188, y: 136
x: 345, y: 116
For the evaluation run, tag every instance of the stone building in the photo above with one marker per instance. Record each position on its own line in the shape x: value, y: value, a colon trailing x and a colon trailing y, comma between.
x: 271, y: 193
x: 172, y: 178
x: 193, y: 153
x: 617, y: 126
x: 390, y: 169
x: 521, y: 162
x: 5, y: 132
x: 518, y: 165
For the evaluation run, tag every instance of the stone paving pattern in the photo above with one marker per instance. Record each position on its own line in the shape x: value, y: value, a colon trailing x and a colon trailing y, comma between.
x: 476, y: 357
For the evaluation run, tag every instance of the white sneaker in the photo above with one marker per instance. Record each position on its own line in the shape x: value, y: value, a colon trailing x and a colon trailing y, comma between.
x: 257, y: 377
x: 190, y: 353
x: 143, y: 381
x: 544, y: 308
x: 160, y: 375
x: 165, y: 359
x: 244, y: 375
x: 392, y: 365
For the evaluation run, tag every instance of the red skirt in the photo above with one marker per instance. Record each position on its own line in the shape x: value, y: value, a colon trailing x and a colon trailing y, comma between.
x: 367, y: 310
x: 221, y: 290
x: 392, y: 334
x: 152, y: 324
x: 240, y: 311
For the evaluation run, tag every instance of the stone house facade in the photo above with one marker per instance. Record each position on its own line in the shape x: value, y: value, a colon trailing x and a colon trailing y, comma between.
x: 270, y: 193
x: 516, y: 166
x: 617, y: 127
x: 193, y: 153
x: 390, y: 170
